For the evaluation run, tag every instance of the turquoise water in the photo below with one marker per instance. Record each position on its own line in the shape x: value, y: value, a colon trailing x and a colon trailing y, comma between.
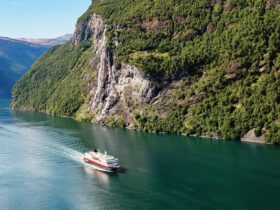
x: 41, y: 168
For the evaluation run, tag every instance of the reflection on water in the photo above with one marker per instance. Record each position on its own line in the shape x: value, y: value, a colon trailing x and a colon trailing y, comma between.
x: 99, y: 176
x: 42, y: 167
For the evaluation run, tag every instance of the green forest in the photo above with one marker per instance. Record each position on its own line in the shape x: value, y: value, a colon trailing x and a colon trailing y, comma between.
x: 223, y: 55
x: 55, y: 81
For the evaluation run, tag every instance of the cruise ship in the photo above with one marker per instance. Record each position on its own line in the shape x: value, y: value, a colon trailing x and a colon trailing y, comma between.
x: 102, y: 161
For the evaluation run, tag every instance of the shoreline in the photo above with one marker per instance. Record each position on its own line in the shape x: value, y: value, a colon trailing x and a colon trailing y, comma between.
x: 249, y: 137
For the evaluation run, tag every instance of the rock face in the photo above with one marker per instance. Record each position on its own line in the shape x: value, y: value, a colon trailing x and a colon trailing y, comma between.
x: 112, y: 90
x: 84, y: 30
x: 251, y: 137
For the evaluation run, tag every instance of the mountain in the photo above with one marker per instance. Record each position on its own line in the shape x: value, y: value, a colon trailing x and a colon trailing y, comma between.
x: 16, y: 57
x: 49, y: 42
x: 200, y: 68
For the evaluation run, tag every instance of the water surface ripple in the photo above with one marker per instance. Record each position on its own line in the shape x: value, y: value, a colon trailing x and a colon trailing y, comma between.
x: 42, y: 168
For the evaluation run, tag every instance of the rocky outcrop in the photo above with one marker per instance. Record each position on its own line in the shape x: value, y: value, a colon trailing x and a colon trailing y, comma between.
x: 84, y: 30
x: 251, y: 137
x: 113, y: 90
x: 272, y: 3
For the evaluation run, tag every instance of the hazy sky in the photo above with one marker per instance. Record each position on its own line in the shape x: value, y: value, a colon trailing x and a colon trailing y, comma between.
x: 40, y: 18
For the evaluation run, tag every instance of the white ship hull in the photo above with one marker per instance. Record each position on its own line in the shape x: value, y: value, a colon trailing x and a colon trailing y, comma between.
x: 101, y: 162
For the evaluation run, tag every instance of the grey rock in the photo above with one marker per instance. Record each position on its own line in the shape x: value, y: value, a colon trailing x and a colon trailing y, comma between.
x: 113, y: 89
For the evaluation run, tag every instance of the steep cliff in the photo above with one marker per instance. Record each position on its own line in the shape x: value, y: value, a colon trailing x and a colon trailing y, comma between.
x: 205, y: 68
x: 112, y: 89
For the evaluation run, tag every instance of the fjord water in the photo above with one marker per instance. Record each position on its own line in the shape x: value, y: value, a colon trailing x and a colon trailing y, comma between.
x: 41, y: 168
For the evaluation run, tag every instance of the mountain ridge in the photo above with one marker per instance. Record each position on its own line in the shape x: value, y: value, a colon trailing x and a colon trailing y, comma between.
x: 51, y: 42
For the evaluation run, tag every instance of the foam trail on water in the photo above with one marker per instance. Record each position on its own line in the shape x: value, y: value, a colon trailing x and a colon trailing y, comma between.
x: 68, y: 152
x: 56, y: 148
x: 75, y: 155
x: 41, y: 144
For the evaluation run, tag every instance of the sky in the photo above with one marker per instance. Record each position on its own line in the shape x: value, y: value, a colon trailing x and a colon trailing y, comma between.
x: 40, y: 18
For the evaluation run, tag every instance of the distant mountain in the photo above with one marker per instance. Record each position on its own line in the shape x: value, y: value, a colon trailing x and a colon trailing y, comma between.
x: 48, y: 42
x: 17, y: 55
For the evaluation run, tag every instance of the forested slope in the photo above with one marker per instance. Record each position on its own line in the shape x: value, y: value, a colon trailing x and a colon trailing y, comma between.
x: 212, y: 68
